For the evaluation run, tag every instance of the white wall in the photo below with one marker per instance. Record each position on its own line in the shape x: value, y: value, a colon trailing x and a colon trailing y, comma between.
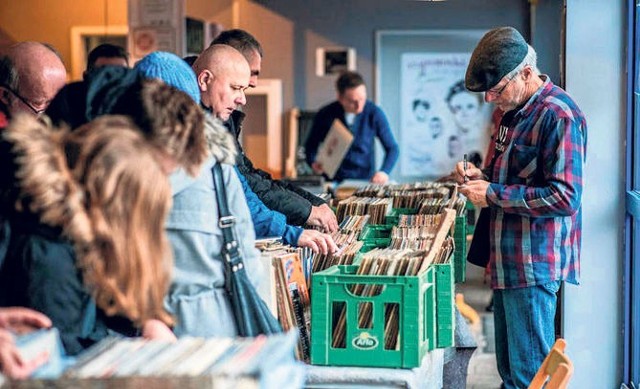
x: 595, y: 77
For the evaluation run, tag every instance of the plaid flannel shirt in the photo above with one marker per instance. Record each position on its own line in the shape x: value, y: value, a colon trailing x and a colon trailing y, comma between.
x: 535, y: 193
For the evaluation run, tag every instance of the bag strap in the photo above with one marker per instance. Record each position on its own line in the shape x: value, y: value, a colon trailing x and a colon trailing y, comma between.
x: 226, y: 221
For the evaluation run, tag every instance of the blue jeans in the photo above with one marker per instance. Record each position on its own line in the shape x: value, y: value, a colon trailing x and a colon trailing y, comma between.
x: 524, y: 331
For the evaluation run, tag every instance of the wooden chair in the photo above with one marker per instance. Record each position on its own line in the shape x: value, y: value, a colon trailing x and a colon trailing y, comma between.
x: 466, y: 310
x: 556, y: 367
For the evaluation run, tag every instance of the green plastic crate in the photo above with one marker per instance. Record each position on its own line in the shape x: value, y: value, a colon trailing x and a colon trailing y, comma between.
x: 472, y: 215
x: 460, y: 253
x: 445, y: 315
x: 394, y: 216
x: 375, y: 243
x: 414, y: 297
x: 376, y: 231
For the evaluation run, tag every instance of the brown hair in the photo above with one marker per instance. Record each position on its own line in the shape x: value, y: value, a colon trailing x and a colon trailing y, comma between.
x: 348, y: 80
x: 103, y: 186
x: 178, y: 124
x: 240, y: 40
x: 169, y: 119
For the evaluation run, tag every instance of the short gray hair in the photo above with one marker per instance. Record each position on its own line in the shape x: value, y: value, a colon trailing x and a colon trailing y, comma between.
x: 531, y: 59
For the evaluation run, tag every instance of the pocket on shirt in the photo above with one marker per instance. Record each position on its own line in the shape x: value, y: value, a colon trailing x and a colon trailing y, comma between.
x: 524, y: 162
x: 551, y: 287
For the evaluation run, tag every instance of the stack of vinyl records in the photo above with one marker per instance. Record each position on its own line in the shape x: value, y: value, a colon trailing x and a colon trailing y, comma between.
x: 426, y: 197
x: 286, y: 290
x: 435, y: 189
x: 353, y: 223
x: 433, y: 206
x: 226, y: 362
x: 372, y: 190
x: 292, y: 298
x: 376, y: 208
x: 415, y: 231
x: 348, y: 245
x: 261, y: 362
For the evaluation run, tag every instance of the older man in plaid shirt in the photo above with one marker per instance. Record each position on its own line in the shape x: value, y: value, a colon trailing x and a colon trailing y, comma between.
x: 533, y: 189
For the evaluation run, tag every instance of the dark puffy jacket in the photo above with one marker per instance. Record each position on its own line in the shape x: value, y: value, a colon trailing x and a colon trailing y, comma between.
x: 39, y: 272
x: 288, y: 199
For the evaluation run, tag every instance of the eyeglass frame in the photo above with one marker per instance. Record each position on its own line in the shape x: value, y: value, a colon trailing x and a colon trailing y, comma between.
x: 24, y: 100
x: 497, y: 94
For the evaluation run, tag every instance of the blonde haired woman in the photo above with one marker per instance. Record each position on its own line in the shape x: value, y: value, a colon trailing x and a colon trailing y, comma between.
x: 88, y: 247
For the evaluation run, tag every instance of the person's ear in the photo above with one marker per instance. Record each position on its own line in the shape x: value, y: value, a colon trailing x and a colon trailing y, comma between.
x: 527, y: 73
x: 204, y: 79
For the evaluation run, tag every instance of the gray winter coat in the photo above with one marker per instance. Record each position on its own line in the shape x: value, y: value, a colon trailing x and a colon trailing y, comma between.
x: 197, y: 297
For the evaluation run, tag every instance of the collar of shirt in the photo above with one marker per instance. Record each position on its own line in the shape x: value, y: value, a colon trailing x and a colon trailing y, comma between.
x: 534, y: 101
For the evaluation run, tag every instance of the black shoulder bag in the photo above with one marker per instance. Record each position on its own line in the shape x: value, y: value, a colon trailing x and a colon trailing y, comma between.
x: 480, y: 244
x: 252, y: 315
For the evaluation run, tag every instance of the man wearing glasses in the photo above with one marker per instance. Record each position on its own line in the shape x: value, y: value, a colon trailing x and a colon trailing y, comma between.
x: 30, y: 76
x: 532, y: 190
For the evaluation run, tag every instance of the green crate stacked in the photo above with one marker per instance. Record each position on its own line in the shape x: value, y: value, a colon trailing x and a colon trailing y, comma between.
x: 445, y: 316
x: 394, y: 216
x: 472, y: 216
x: 375, y: 236
x: 375, y: 231
x: 376, y: 243
x: 460, y: 254
x: 412, y: 295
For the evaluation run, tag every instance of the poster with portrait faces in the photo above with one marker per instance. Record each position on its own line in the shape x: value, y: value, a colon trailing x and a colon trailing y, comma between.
x: 440, y: 120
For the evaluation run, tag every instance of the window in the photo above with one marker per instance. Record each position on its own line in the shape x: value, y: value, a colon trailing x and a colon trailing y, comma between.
x: 632, y: 224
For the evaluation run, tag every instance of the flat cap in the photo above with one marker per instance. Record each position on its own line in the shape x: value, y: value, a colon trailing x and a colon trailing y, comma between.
x: 499, y: 51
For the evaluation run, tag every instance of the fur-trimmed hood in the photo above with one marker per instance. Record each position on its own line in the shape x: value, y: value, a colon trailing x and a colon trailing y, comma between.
x: 221, y: 144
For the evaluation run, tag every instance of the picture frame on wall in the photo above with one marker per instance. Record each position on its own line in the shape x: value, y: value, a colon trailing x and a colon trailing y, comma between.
x: 196, y: 35
x: 334, y: 60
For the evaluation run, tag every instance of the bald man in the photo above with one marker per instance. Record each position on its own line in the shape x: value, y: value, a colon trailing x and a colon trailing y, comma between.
x: 223, y: 75
x: 299, y: 206
x: 31, y: 74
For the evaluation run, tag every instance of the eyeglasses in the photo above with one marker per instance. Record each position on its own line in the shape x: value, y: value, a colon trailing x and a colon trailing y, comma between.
x: 25, y: 101
x: 497, y: 93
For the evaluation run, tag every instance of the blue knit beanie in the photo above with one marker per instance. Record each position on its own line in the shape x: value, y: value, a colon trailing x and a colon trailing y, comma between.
x: 171, y: 69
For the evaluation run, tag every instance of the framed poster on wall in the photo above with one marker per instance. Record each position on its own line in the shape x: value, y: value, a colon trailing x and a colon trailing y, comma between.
x: 440, y: 120
x: 420, y: 86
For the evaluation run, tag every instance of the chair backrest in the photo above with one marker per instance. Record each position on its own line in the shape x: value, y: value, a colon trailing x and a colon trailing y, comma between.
x: 556, y: 367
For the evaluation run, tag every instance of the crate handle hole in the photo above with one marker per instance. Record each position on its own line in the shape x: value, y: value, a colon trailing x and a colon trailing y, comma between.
x: 392, y: 325
x: 365, y: 290
x: 338, y: 324
x: 365, y: 315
